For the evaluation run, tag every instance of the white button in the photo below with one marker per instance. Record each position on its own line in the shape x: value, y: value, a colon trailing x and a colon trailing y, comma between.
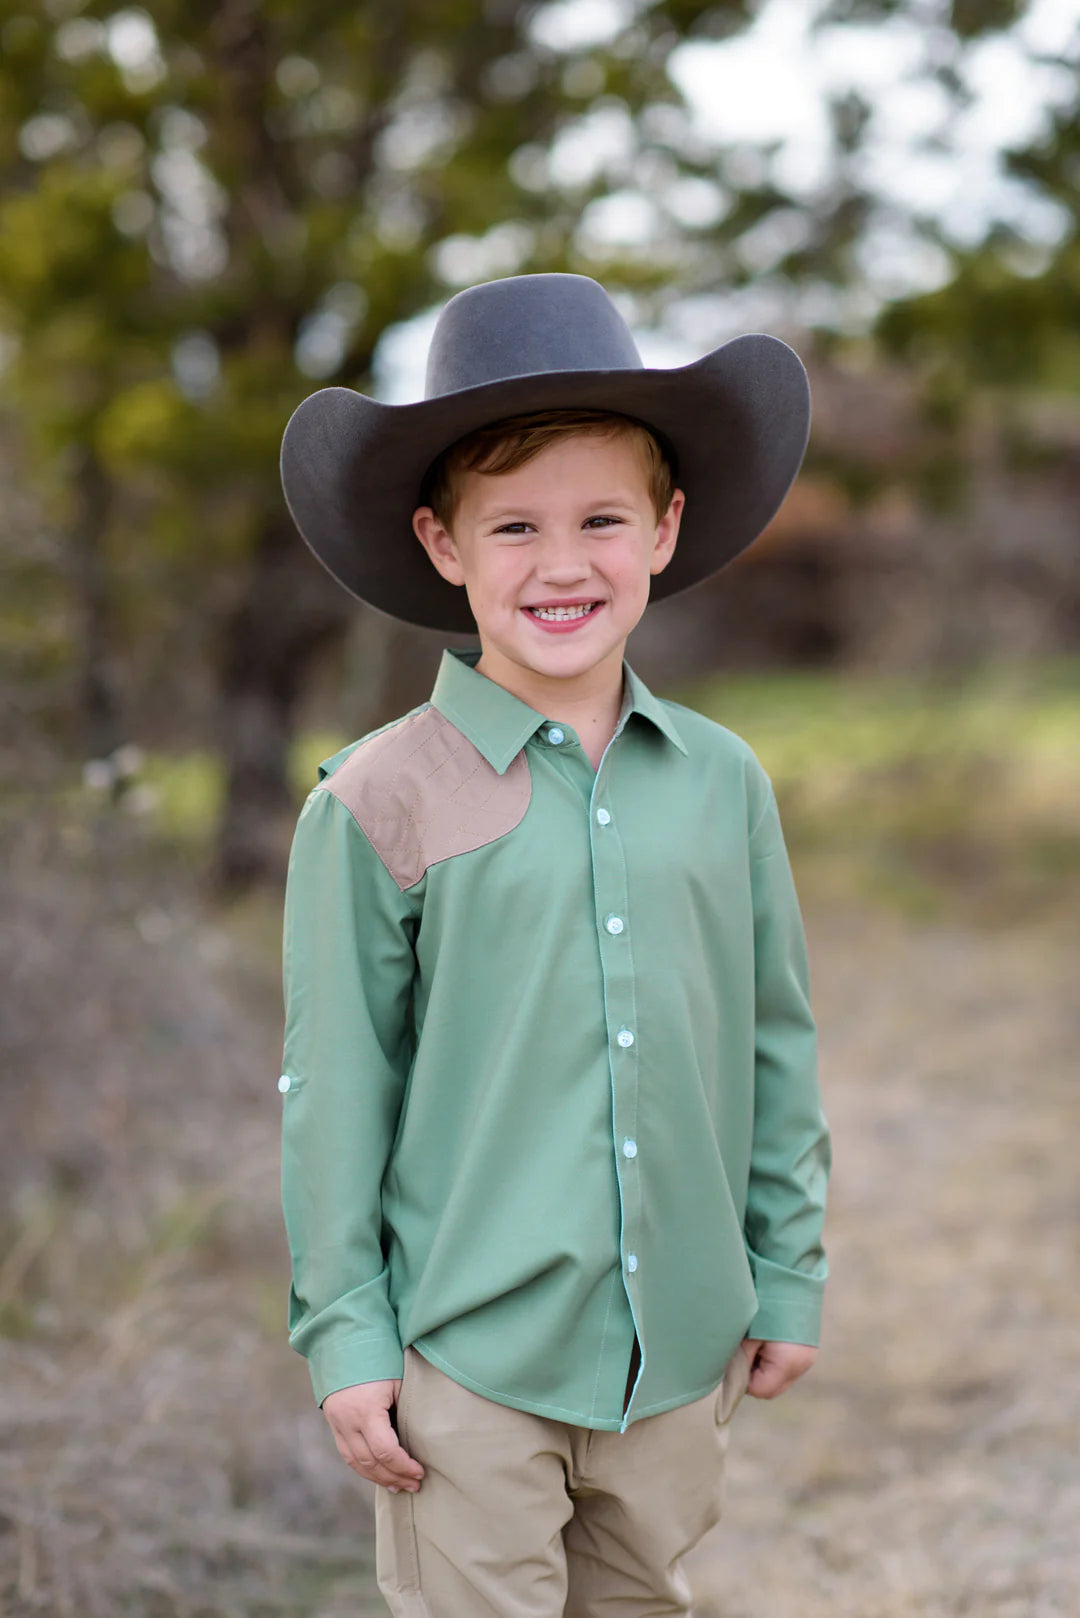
x: 631, y: 1262
x: 614, y: 924
x: 284, y: 1083
x: 555, y: 735
x: 603, y: 817
x: 629, y: 1148
x: 625, y: 1038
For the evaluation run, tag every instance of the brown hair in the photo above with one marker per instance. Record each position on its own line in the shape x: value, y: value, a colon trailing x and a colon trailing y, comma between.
x: 503, y: 446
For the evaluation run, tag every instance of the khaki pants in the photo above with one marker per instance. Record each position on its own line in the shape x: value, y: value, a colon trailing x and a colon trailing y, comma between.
x: 519, y: 1516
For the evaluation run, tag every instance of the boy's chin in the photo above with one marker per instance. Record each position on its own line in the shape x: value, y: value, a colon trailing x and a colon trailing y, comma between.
x: 568, y: 661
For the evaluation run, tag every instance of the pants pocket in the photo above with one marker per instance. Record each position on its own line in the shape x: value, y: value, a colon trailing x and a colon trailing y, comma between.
x: 397, y: 1559
x: 397, y: 1564
x: 733, y: 1387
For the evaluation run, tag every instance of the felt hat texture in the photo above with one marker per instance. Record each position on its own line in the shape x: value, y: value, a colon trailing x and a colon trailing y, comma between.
x: 352, y: 467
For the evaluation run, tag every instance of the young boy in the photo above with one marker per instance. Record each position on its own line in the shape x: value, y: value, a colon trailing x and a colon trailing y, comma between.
x: 554, y: 1157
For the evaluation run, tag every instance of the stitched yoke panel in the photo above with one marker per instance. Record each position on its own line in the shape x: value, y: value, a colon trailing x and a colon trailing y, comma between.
x: 421, y: 792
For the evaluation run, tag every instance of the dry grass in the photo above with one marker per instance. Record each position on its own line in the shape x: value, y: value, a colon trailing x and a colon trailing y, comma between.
x: 930, y: 1466
x: 160, y: 1454
x: 159, y: 1450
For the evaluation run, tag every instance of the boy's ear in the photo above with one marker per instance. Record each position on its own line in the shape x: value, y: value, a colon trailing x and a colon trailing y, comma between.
x: 439, y: 544
x: 667, y: 532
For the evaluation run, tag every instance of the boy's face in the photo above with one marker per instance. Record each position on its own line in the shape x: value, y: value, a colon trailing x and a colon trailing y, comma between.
x: 556, y: 557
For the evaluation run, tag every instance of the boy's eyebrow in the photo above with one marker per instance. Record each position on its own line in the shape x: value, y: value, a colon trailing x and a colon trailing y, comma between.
x: 518, y: 512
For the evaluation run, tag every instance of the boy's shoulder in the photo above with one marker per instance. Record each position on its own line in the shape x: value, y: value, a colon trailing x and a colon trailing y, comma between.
x: 709, y: 737
x: 420, y: 791
x: 364, y: 751
x: 721, y: 755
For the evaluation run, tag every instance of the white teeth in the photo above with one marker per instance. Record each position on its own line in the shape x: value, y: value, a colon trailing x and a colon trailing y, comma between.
x: 556, y: 614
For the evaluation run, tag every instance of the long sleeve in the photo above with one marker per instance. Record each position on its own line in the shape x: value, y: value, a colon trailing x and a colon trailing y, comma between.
x: 791, y: 1154
x: 348, y: 966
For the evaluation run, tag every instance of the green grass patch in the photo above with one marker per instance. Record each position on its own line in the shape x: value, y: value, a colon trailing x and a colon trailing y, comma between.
x: 913, y: 787
x: 188, y: 793
x: 920, y: 787
x: 188, y: 789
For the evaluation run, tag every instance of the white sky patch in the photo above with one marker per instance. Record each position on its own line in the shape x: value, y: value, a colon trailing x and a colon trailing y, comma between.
x: 892, y: 258
x: 1012, y: 94
x: 761, y: 99
x: 622, y: 219
x: 193, y: 206
x: 132, y: 42
x: 462, y: 260
x: 572, y: 25
x: 46, y: 136
x: 196, y: 364
x: 401, y: 359
x: 599, y: 143
x: 1051, y: 27
x: 770, y: 84
x: 754, y: 89
x: 696, y: 202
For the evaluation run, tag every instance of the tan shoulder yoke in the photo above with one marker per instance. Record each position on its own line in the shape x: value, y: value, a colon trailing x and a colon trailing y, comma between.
x: 422, y: 792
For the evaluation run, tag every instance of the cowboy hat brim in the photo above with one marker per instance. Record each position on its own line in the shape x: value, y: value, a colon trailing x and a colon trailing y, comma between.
x: 352, y: 467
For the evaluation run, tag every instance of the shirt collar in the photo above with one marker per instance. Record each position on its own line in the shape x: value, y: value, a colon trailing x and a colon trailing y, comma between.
x: 637, y: 698
x: 499, y: 724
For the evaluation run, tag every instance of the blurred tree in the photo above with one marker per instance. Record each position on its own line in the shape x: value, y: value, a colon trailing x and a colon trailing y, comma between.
x: 210, y: 209
x: 995, y: 349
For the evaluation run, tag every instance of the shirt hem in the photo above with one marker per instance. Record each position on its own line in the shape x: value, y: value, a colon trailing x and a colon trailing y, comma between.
x: 536, y: 1407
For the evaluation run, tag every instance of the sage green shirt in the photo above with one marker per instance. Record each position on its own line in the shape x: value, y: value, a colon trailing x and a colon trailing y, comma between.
x: 550, y: 1063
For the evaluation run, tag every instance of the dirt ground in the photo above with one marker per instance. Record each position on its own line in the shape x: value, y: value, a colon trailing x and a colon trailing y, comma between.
x: 160, y: 1453
x: 930, y: 1465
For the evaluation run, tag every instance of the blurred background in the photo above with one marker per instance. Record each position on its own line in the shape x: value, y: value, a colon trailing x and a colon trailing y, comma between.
x: 209, y: 210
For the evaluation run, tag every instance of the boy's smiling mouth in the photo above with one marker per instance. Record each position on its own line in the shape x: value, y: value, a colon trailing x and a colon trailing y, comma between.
x: 563, y: 614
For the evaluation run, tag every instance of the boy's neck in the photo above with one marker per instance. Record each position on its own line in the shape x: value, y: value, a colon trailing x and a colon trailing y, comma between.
x: 590, y: 702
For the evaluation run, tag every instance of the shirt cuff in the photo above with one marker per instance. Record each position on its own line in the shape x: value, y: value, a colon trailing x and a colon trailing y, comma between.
x: 358, y: 1359
x: 789, y: 1304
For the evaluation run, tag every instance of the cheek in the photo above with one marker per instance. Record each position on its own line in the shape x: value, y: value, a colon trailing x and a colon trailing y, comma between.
x: 629, y: 574
x: 499, y: 577
x: 512, y: 567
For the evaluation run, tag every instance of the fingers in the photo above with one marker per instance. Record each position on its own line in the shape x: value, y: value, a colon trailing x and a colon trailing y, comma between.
x: 364, y: 1434
x: 767, y: 1381
x: 775, y: 1366
x: 387, y: 1465
x: 391, y: 1464
x: 389, y: 1470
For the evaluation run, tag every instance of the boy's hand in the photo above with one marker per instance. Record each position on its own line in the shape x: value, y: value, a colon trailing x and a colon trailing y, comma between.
x: 775, y: 1366
x: 359, y: 1419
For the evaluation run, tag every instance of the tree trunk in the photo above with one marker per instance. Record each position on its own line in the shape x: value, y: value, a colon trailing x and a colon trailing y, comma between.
x: 98, y: 703
x: 292, y: 613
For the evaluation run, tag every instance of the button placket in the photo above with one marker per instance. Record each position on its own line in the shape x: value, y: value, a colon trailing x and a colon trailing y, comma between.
x: 615, y: 935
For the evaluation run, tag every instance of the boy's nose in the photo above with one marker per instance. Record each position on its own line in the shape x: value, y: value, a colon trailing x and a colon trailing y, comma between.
x: 563, y: 560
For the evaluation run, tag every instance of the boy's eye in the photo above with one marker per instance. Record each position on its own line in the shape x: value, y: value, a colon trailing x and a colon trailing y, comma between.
x: 520, y: 529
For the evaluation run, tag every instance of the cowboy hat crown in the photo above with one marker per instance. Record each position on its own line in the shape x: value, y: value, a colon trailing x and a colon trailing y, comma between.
x: 524, y: 326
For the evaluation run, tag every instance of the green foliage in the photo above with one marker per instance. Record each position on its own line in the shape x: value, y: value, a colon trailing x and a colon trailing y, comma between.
x: 207, y: 212
x: 995, y: 325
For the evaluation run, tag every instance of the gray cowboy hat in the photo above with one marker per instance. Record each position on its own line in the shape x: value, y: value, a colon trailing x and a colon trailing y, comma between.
x: 352, y: 468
